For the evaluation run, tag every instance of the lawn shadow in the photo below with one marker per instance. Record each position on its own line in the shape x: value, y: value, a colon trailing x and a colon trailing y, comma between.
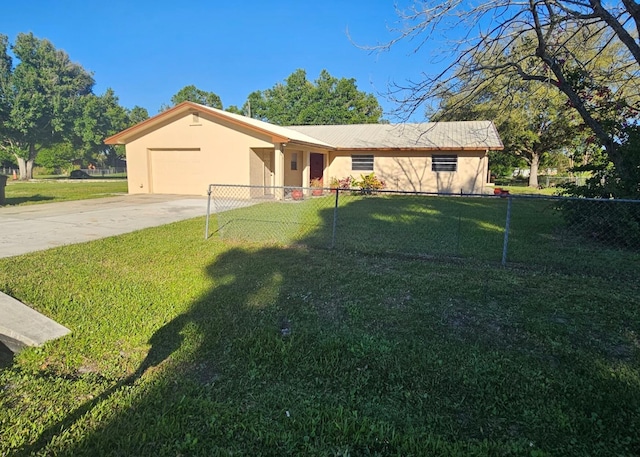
x: 10, y: 201
x: 6, y: 356
x: 262, y: 356
x: 193, y: 349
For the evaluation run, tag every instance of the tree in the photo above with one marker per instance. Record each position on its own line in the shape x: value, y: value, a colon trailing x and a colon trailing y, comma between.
x: 328, y: 100
x: 39, y: 97
x: 58, y: 156
x: 533, y: 121
x: 97, y: 118
x: 137, y: 114
x: 193, y: 94
x: 604, y: 96
x: 5, y: 80
x: 235, y: 110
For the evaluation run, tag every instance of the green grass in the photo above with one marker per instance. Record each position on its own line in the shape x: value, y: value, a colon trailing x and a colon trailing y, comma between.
x: 177, y: 349
x: 27, y: 193
x: 66, y: 176
x: 525, y: 190
x: 449, y: 227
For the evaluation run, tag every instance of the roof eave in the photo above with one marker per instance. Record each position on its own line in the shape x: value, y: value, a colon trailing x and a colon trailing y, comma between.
x: 432, y: 148
x: 122, y: 137
x: 324, y: 146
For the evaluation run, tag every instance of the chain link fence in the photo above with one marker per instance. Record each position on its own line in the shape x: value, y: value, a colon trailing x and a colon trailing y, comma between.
x: 522, y: 231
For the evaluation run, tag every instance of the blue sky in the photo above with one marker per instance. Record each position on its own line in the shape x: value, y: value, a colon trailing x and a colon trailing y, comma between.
x: 148, y: 50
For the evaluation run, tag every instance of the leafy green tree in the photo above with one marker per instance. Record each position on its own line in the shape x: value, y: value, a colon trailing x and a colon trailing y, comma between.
x: 58, y: 156
x: 99, y: 117
x: 532, y: 123
x: 6, y: 158
x: 193, y: 94
x: 39, y: 98
x: 137, y: 114
x: 502, y: 164
x: 592, y: 86
x: 235, y: 110
x: 535, y: 121
x: 95, y: 118
x: 5, y: 80
x: 328, y: 100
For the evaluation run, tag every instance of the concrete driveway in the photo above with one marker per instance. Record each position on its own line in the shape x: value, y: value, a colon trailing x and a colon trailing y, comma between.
x: 31, y: 228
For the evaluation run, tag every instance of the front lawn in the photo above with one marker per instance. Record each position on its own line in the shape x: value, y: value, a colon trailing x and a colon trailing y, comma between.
x: 428, y: 226
x: 182, y: 346
x: 26, y: 193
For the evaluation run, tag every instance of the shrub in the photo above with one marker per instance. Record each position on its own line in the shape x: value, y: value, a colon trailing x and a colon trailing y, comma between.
x: 613, y: 223
x: 316, y: 182
x: 368, y: 184
x: 344, y: 183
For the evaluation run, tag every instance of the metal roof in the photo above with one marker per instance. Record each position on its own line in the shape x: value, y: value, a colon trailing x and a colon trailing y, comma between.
x: 468, y: 135
x: 464, y: 135
x: 277, y: 133
x: 291, y: 134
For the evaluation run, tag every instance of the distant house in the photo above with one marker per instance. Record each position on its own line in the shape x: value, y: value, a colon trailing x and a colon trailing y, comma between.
x: 186, y: 148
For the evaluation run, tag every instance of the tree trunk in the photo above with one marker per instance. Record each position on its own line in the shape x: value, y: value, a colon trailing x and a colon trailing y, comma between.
x: 533, y: 167
x: 26, y: 168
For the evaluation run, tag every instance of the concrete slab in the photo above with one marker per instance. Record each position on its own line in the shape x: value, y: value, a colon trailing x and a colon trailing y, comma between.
x: 22, y: 326
x: 31, y: 228
x: 25, y: 229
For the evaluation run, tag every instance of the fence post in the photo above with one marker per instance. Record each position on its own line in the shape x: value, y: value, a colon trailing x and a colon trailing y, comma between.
x: 206, y: 226
x: 335, y: 219
x: 506, y: 232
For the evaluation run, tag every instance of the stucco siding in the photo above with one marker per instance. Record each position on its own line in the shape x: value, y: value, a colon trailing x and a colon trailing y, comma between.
x: 293, y: 177
x: 412, y: 170
x: 223, y: 156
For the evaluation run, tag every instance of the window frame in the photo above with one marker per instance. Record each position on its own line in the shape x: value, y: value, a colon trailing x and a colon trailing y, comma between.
x: 362, y: 162
x: 444, y: 163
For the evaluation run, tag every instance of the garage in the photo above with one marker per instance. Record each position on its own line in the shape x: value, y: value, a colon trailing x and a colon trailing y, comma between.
x: 179, y: 171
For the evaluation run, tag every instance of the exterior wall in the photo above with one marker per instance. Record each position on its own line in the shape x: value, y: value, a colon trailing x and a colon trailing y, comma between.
x: 225, y: 154
x: 411, y: 170
x: 293, y: 177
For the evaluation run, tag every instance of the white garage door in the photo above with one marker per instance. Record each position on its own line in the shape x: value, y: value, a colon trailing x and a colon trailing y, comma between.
x: 179, y: 171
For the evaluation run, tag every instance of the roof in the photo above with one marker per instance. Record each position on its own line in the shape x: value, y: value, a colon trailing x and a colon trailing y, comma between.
x: 291, y: 135
x: 277, y: 133
x: 468, y: 135
x: 464, y: 135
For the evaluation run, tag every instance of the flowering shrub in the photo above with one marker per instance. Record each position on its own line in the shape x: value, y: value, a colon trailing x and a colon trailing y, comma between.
x: 369, y: 183
x: 344, y: 183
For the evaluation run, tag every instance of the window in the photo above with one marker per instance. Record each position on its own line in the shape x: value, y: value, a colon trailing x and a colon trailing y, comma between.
x: 362, y: 163
x: 444, y: 163
x: 195, y: 118
x: 294, y: 161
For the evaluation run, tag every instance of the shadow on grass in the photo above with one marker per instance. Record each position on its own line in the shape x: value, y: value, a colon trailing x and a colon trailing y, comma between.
x: 9, y: 201
x: 6, y: 356
x: 199, y: 348
x: 301, y: 352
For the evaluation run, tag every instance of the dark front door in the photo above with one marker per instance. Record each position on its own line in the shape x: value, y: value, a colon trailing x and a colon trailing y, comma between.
x: 316, y: 166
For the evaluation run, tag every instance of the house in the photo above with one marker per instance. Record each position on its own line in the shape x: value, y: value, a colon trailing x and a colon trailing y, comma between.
x: 186, y: 148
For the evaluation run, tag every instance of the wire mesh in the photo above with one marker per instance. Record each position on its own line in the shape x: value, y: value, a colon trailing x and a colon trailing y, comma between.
x: 541, y: 231
x: 273, y: 215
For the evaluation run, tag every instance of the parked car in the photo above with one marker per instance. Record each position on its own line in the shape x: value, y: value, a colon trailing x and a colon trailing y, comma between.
x: 79, y: 174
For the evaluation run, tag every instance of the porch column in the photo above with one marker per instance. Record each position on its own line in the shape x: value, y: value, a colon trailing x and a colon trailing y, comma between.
x: 279, y: 171
x: 306, y: 168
